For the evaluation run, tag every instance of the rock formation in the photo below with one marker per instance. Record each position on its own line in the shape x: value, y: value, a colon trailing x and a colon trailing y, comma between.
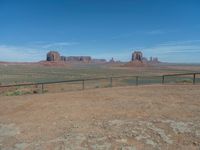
x: 99, y: 60
x: 112, y: 60
x: 139, y: 61
x: 136, y: 60
x: 154, y: 60
x: 144, y: 60
x: 63, y: 58
x: 73, y: 58
x: 137, y: 56
x: 85, y: 58
x: 77, y: 58
x: 53, y: 56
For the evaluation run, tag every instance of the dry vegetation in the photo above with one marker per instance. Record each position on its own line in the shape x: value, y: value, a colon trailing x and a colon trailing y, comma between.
x: 28, y: 73
x: 128, y: 118
x: 16, y: 73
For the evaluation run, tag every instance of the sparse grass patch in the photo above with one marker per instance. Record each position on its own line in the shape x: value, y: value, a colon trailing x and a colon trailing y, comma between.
x: 17, y: 93
x: 14, y: 74
x: 97, y: 86
x: 107, y: 86
x: 186, y: 80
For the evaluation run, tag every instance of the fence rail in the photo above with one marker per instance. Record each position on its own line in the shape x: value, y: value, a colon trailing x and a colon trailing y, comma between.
x: 192, y: 78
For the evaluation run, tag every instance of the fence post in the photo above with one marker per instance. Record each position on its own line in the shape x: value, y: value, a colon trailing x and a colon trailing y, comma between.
x: 136, y: 80
x: 83, y: 84
x: 111, y: 81
x: 42, y: 88
x: 194, y: 78
x: 163, y: 79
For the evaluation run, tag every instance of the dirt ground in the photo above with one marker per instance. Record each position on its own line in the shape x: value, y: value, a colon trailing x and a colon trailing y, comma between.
x: 126, y: 118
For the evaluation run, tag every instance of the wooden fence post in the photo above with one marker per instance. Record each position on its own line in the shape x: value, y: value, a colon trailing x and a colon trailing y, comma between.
x: 111, y: 81
x: 83, y: 84
x: 163, y: 79
x: 42, y: 88
x: 136, y: 80
x: 194, y: 78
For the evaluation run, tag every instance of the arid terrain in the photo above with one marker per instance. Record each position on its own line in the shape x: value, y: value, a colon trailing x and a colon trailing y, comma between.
x: 149, y: 117
x: 30, y: 73
x: 99, y: 75
x: 15, y: 73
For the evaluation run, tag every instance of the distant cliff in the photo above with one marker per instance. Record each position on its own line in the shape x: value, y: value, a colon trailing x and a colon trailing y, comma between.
x: 55, y: 56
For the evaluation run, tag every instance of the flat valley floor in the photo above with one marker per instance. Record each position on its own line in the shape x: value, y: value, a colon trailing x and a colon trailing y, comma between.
x: 149, y: 117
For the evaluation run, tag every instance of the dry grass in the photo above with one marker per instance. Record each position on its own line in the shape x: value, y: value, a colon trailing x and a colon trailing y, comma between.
x: 28, y: 73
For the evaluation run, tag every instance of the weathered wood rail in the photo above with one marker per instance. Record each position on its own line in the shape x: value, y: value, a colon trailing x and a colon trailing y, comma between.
x: 162, y: 80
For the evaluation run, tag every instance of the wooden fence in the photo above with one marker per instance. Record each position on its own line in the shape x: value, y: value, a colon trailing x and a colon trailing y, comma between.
x: 186, y: 78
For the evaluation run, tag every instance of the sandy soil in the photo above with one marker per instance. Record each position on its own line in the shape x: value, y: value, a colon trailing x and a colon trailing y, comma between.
x: 124, y: 118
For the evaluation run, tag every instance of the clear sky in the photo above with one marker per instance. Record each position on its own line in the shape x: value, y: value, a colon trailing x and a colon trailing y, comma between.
x: 168, y: 29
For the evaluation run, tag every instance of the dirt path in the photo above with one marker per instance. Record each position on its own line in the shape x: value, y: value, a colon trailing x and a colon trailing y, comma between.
x: 127, y: 118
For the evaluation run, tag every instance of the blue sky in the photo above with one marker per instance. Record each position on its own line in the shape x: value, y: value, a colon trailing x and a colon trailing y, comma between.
x: 167, y: 29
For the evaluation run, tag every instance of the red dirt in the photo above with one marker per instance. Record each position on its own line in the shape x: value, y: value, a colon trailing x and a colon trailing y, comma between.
x: 136, y: 118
